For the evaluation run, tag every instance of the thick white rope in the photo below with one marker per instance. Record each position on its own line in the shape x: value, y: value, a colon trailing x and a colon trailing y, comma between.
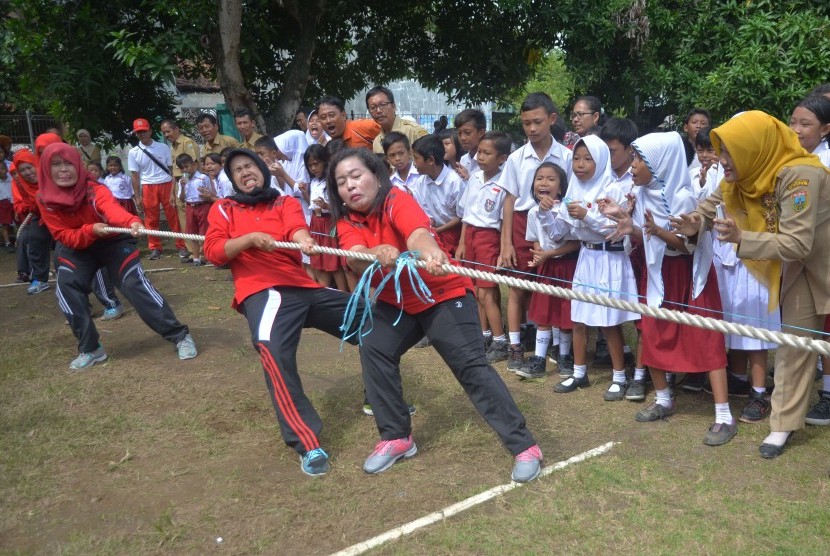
x: 678, y: 317
x: 24, y: 224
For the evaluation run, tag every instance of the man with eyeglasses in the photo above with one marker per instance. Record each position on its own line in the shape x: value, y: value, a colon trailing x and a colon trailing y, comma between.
x: 381, y: 105
x: 357, y: 134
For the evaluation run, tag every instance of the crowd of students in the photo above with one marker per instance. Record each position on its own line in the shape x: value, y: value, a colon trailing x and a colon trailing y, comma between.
x: 670, y: 220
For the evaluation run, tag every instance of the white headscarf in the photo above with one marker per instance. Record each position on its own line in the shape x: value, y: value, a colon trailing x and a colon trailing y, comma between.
x: 669, y: 194
x: 310, y: 138
x: 587, y: 192
x: 293, y: 144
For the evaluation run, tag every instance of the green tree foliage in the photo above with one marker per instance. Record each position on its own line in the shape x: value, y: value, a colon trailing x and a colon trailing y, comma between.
x: 100, y: 64
x: 725, y: 55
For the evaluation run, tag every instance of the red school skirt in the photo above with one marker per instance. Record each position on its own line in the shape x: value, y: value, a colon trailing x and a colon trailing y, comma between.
x: 128, y: 205
x: 549, y: 310
x: 678, y: 347
x: 450, y: 239
x: 321, y: 232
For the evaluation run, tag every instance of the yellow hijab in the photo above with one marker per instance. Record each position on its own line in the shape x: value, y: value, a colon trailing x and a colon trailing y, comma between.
x: 760, y: 146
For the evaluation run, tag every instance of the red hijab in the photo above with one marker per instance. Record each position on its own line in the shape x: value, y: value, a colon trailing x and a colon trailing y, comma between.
x: 67, y: 199
x: 44, y: 140
x: 25, y: 156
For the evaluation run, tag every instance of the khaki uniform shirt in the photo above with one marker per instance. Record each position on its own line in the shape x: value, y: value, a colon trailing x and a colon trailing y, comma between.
x: 183, y: 145
x: 410, y: 129
x: 249, y: 144
x: 802, y: 201
x: 220, y: 143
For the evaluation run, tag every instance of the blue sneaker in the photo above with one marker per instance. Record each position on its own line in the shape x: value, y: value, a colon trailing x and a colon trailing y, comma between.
x: 315, y: 462
x: 37, y: 287
x: 387, y: 452
x: 186, y: 348
x: 113, y: 313
x: 86, y: 360
x: 528, y: 465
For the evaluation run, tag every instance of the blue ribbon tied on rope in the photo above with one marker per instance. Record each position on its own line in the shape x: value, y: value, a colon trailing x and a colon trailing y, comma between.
x: 363, y: 295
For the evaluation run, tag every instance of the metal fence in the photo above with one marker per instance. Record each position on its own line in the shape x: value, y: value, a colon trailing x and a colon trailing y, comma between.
x: 23, y: 128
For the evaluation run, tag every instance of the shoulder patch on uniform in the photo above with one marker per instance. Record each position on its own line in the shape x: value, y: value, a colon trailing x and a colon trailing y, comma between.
x: 798, y: 183
x: 801, y: 201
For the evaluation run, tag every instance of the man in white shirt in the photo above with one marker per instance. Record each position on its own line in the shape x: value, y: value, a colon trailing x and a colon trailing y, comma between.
x: 150, y: 164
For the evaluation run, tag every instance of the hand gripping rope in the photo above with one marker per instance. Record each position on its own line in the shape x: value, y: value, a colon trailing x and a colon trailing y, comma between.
x: 799, y: 342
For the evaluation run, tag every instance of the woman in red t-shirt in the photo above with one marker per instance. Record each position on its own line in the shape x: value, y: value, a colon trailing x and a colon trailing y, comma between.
x: 274, y: 292
x: 76, y: 210
x: 379, y: 219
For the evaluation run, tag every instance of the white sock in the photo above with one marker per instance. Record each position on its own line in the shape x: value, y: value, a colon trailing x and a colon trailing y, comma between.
x: 664, y: 397
x: 542, y: 342
x: 639, y: 374
x: 565, y: 341
x: 619, y: 376
x: 722, y: 414
x: 515, y: 338
x: 825, y: 382
x: 487, y: 333
x: 777, y: 438
x: 759, y: 390
x: 580, y: 371
x: 742, y: 377
x: 554, y: 339
x: 501, y: 338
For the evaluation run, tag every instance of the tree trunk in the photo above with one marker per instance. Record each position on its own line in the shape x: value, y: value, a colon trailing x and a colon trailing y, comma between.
x: 226, y: 55
x: 308, y: 16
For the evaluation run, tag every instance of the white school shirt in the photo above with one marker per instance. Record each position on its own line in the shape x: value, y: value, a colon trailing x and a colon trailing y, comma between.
x: 823, y: 153
x: 521, y: 165
x: 224, y: 187
x: 470, y: 163
x: 119, y: 185
x: 439, y: 198
x: 191, y: 188
x: 149, y: 172
x: 317, y: 190
x: 482, y: 201
x: 540, y: 227
x: 6, y: 188
x: 407, y: 185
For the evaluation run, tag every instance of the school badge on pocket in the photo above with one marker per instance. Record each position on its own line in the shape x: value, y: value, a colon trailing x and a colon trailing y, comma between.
x: 800, y: 201
x: 489, y: 205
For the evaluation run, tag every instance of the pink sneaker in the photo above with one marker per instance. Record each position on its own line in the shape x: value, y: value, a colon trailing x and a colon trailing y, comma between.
x: 387, y: 452
x: 528, y: 465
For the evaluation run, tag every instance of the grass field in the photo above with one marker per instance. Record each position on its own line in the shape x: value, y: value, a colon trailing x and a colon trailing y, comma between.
x: 150, y: 455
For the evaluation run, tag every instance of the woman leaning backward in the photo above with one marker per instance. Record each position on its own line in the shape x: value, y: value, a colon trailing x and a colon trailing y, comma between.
x: 777, y: 201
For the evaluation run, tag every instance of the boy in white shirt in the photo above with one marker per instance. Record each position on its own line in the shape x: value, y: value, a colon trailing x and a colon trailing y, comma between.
x: 480, y: 241
x: 195, y: 191
x: 398, y: 152
x: 438, y: 189
x: 538, y: 113
x: 471, y: 125
x: 6, y: 206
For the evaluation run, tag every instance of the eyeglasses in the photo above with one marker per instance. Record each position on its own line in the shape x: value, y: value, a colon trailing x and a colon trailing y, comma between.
x: 577, y: 115
x: 378, y: 106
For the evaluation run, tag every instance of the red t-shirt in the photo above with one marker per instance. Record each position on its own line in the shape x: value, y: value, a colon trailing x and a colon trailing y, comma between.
x: 254, y: 270
x: 392, y: 225
x: 74, y: 229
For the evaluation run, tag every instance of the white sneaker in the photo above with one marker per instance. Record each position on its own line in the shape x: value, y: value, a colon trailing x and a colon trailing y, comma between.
x: 186, y: 348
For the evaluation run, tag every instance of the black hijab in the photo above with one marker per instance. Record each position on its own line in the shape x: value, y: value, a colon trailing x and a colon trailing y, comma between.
x: 264, y: 194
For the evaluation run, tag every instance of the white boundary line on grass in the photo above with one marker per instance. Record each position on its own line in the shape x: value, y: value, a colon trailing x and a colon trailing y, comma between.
x: 459, y: 507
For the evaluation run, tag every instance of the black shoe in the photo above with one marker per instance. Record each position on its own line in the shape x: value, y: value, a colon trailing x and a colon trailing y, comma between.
x: 534, y: 367
x: 819, y: 414
x: 770, y: 451
x: 736, y: 387
x: 515, y: 357
x: 155, y: 255
x: 571, y: 383
x: 636, y: 391
x: 566, y: 365
x: 497, y: 351
x: 23, y: 278
x: 757, y: 408
x: 694, y: 382
x: 186, y: 260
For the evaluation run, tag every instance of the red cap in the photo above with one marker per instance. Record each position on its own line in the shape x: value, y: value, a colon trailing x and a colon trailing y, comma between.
x: 141, y: 125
